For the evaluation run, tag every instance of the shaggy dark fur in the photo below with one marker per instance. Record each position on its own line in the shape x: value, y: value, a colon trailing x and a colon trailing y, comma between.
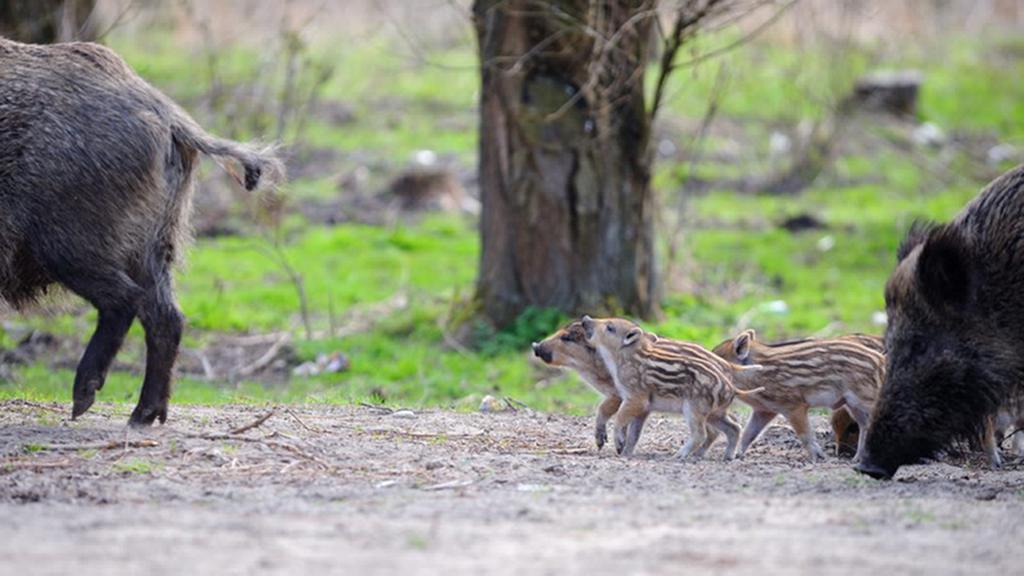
x: 955, y: 340
x: 95, y: 188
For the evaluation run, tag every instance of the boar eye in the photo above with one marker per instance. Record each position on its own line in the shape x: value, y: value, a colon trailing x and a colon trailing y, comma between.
x: 565, y: 338
x: 611, y: 329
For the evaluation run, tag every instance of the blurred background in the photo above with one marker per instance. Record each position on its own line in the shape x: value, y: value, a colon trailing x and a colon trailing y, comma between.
x: 465, y: 176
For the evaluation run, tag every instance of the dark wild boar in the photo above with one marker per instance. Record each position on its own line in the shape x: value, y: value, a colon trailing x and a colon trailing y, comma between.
x: 955, y: 340
x: 95, y: 191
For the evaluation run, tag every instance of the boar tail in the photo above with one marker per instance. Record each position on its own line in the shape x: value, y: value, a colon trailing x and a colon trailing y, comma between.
x: 744, y: 372
x: 260, y: 164
x: 751, y: 392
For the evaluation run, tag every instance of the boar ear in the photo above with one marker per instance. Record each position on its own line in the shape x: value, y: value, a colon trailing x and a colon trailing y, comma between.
x: 632, y: 336
x: 943, y: 269
x: 741, y: 345
x: 917, y: 235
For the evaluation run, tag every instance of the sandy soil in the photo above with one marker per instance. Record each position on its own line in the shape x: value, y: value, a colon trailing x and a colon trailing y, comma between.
x: 361, y: 490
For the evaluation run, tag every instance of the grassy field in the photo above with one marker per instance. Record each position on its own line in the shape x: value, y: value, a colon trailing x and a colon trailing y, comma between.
x: 737, y: 264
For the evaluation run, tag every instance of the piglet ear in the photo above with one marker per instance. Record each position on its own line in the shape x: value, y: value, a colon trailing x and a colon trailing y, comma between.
x: 943, y: 270
x: 632, y: 336
x: 741, y: 345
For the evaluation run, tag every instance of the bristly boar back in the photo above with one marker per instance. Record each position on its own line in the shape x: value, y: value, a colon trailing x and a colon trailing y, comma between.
x: 955, y: 339
x: 95, y: 193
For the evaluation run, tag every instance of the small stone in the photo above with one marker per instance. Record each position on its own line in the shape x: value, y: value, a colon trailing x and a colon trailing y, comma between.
x: 337, y: 362
x: 404, y: 414
x: 779, y: 144
x: 425, y: 157
x: 929, y: 134
x: 490, y: 404
x: 306, y: 369
x: 1001, y: 153
x: 556, y: 469
x: 434, y: 465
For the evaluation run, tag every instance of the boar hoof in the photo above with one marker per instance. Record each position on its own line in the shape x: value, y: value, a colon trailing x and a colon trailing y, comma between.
x: 144, y: 416
x: 82, y: 404
x: 84, y: 396
x: 601, y: 437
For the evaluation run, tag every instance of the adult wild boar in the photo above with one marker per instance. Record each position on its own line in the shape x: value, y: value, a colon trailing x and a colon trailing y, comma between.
x: 955, y: 340
x: 95, y: 192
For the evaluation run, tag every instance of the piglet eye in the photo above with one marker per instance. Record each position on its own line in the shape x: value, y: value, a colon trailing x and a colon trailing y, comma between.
x: 611, y: 329
x: 565, y: 338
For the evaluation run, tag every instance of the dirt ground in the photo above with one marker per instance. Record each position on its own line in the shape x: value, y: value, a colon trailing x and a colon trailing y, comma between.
x: 363, y: 490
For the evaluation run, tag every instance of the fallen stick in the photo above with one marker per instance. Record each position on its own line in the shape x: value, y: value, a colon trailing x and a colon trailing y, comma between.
x: 376, y: 408
x: 565, y: 451
x: 292, y: 413
x: 447, y: 485
x: 254, y: 339
x: 255, y: 423
x: 265, y: 360
x: 16, y: 464
x: 111, y: 445
x: 425, y: 435
x: 268, y: 443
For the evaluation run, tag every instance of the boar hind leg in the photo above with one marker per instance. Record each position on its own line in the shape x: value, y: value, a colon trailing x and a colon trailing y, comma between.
x: 862, y: 414
x: 628, y: 412
x: 995, y: 459
x: 726, y: 424
x: 697, y: 424
x: 802, y: 426
x: 164, y: 324
x: 114, y: 296
x: 634, y: 429
x: 605, y: 411
x: 757, y: 423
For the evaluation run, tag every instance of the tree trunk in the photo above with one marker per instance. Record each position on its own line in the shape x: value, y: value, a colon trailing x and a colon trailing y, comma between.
x: 566, y: 216
x: 47, y: 21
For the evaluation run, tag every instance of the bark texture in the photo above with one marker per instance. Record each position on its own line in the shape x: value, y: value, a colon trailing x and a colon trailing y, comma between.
x: 566, y: 216
x: 47, y: 21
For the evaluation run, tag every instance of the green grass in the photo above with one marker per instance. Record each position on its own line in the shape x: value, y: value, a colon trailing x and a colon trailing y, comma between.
x: 135, y: 466
x: 739, y: 260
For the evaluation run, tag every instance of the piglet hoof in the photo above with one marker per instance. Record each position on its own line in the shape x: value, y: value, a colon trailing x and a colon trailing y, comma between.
x: 620, y: 445
x: 600, y: 437
x: 144, y: 416
x: 995, y: 461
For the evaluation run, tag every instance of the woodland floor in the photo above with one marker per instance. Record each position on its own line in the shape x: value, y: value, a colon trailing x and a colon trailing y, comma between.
x: 365, y: 490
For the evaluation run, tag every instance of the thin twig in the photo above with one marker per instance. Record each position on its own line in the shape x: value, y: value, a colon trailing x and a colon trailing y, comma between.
x: 292, y: 413
x: 254, y: 424
x: 377, y: 408
x: 512, y: 403
x: 10, y: 465
x: 111, y: 445
x: 447, y: 485
x: 265, y: 360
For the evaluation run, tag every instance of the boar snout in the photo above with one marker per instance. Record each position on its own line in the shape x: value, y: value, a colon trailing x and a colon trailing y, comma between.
x: 540, y: 352
x: 866, y: 466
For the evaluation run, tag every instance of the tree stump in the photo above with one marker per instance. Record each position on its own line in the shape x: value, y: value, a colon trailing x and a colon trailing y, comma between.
x: 890, y: 92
